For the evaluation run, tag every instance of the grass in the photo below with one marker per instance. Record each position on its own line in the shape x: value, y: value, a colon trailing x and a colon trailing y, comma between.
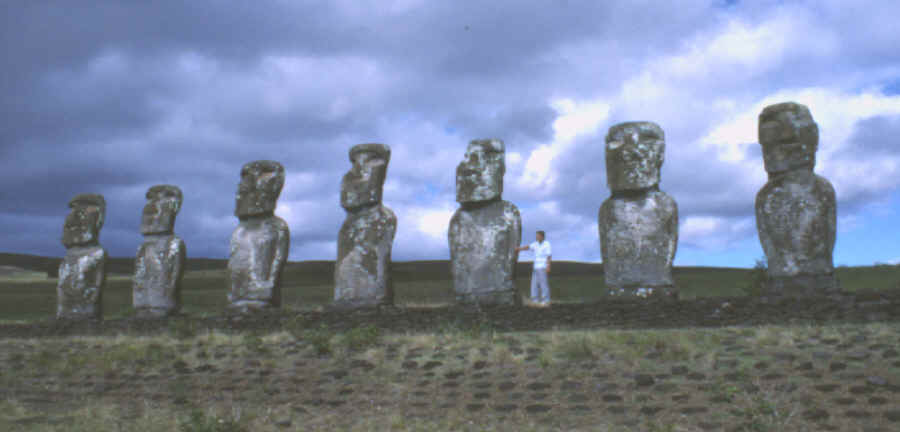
x: 132, y: 371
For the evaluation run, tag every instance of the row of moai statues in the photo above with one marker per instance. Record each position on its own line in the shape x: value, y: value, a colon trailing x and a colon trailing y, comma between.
x: 637, y: 226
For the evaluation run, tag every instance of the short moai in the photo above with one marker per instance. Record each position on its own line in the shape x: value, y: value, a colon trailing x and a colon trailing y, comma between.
x: 638, y: 224
x: 82, y: 272
x: 261, y: 242
x: 796, y: 209
x: 485, y: 231
x: 159, y: 266
x: 362, y: 272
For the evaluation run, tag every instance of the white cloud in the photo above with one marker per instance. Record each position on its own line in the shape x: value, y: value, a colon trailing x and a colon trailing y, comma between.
x: 433, y: 223
x: 574, y: 119
x: 422, y: 231
x: 836, y: 113
x: 714, y: 233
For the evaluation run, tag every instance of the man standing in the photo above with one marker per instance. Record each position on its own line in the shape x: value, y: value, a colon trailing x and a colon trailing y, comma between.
x: 540, y: 289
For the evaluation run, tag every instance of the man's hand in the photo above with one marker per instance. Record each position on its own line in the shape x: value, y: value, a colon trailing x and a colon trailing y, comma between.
x: 548, y: 268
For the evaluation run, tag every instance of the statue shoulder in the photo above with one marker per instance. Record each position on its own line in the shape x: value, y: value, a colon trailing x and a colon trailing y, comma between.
x: 666, y: 200
x: 510, y: 208
x: 278, y: 224
x: 388, y: 214
x: 822, y: 184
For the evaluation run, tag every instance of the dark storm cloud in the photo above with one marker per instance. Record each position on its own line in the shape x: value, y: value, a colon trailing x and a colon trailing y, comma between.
x: 113, y: 97
x: 873, y: 137
x: 513, y: 125
x: 871, y: 143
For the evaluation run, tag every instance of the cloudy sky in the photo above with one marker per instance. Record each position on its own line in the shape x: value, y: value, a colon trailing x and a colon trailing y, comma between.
x: 114, y: 97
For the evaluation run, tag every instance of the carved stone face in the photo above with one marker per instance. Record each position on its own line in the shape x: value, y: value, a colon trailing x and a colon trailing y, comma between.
x: 163, y: 203
x: 635, y: 152
x: 261, y: 183
x: 83, y: 223
x: 363, y: 184
x: 789, y: 137
x: 479, y: 177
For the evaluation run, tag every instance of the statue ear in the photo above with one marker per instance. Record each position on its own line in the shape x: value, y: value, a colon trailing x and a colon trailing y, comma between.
x: 99, y: 224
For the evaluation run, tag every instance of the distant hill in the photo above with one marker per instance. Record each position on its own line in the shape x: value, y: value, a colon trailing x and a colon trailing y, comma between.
x: 313, y: 272
x: 402, y: 270
x: 121, y: 265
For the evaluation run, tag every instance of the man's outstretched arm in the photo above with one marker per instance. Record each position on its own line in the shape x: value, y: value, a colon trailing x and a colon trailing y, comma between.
x: 521, y: 248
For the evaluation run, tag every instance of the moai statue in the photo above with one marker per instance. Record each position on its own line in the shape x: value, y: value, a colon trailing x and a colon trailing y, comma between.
x: 82, y: 273
x: 485, y: 231
x: 159, y: 265
x: 796, y: 209
x: 362, y: 272
x: 260, y: 243
x: 638, y: 224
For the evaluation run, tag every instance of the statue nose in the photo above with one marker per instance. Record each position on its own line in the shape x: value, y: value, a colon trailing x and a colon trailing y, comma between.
x: 787, y: 134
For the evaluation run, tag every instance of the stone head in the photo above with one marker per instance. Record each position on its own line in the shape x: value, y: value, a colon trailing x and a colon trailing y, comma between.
x: 261, y: 183
x: 789, y: 137
x: 362, y: 185
x: 635, y: 152
x: 163, y: 203
x: 83, y: 223
x: 479, y: 177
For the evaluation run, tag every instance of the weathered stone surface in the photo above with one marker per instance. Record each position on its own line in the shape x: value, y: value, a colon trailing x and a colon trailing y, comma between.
x: 638, y: 240
x: 82, y: 272
x: 635, y: 152
x: 159, y: 266
x: 479, y: 177
x: 638, y: 224
x: 796, y: 209
x: 485, y: 231
x: 261, y: 242
x: 362, y: 273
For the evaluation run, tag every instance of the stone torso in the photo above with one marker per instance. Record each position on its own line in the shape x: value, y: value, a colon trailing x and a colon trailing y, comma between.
x: 158, y: 272
x: 258, y: 248
x: 796, y: 220
x: 638, y: 237
x: 362, y: 270
x: 483, y: 242
x: 81, y: 279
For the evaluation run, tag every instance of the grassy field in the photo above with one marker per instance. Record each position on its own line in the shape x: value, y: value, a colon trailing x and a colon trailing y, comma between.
x: 771, y: 378
x: 27, y: 293
x: 463, y: 376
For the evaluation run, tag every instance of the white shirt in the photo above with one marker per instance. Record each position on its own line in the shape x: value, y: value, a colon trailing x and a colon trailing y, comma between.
x: 541, y: 253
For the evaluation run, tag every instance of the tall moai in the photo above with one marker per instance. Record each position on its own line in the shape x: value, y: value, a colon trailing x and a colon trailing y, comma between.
x: 82, y: 272
x: 796, y: 209
x: 485, y: 231
x: 362, y: 272
x: 159, y: 265
x: 261, y: 242
x: 638, y: 224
